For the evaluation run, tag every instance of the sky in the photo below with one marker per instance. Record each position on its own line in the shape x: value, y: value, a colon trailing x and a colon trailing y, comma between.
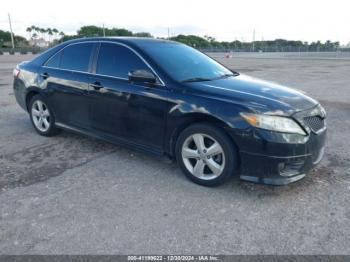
x: 306, y: 20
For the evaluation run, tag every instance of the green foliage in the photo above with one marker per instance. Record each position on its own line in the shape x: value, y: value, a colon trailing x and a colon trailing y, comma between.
x: 191, y: 40
x: 206, y: 42
x: 5, y: 36
x: 278, y: 45
x: 5, y: 39
x: 142, y: 34
x: 91, y: 30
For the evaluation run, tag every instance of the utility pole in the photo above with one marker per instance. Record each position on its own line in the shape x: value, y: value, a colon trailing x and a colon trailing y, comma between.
x: 168, y: 33
x: 12, y: 40
x: 254, y: 40
x: 104, y: 31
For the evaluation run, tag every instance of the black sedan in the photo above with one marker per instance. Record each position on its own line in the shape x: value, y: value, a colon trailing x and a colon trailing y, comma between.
x: 169, y: 99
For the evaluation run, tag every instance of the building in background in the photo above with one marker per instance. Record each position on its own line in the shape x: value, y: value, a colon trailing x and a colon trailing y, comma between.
x: 39, y: 42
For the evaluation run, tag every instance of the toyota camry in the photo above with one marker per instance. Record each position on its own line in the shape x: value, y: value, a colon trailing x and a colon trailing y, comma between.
x: 171, y: 100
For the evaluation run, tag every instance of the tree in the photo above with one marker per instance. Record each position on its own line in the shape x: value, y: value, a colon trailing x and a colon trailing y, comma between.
x: 20, y: 41
x: 118, y: 32
x: 192, y: 40
x: 5, y: 36
x: 55, y: 31
x: 142, y: 34
x: 42, y: 32
x: 29, y: 30
x: 207, y: 42
x: 90, y: 30
x: 50, y: 33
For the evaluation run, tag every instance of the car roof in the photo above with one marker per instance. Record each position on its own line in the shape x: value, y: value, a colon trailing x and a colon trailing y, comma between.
x: 138, y: 41
x: 135, y: 42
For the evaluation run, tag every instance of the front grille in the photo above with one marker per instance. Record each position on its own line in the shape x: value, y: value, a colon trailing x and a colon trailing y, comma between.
x: 316, y: 123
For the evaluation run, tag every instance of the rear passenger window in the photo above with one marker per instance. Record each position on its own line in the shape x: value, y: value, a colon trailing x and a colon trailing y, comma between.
x: 76, y: 57
x: 117, y: 60
x: 54, y: 61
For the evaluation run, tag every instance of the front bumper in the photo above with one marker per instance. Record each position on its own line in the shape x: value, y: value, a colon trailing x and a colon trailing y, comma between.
x: 278, y: 159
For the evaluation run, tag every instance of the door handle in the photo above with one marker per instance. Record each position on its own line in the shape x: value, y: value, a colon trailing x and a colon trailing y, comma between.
x: 96, y: 85
x: 45, y: 75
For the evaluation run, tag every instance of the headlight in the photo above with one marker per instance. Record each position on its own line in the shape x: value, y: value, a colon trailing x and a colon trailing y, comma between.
x: 273, y: 123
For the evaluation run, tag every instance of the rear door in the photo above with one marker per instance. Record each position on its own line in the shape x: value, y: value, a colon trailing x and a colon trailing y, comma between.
x: 66, y: 77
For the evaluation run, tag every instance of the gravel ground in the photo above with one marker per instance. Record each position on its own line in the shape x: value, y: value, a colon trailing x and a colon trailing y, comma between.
x: 75, y: 195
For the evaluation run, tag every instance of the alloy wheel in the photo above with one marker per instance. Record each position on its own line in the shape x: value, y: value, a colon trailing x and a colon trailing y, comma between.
x: 41, y: 116
x: 203, y: 156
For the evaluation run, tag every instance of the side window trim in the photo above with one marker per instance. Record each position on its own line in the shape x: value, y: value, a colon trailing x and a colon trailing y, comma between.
x: 94, y: 58
x: 95, y: 47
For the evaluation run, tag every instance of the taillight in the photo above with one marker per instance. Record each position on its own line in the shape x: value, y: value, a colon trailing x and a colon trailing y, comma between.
x: 16, y: 72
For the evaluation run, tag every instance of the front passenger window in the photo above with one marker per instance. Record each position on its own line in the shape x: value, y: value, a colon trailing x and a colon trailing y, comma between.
x: 117, y: 60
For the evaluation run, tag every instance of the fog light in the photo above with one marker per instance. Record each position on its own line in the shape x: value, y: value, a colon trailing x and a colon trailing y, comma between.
x: 288, y: 169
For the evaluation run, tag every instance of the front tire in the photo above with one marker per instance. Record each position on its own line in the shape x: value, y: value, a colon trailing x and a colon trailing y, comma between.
x: 206, y: 154
x: 42, y: 117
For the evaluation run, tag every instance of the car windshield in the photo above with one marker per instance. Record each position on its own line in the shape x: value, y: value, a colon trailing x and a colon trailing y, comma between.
x: 186, y: 64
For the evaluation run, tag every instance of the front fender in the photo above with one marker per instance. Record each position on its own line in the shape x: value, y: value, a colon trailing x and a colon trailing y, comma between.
x: 184, y: 112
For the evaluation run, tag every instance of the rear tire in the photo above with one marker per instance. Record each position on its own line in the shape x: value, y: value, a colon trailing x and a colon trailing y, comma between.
x: 42, y: 116
x: 206, y: 154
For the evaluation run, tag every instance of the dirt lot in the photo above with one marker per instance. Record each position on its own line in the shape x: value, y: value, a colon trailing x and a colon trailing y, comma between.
x: 76, y: 195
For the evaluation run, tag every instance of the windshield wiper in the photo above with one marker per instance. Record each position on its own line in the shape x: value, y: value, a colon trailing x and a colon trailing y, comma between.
x: 200, y: 79
x: 228, y: 75
x: 196, y: 79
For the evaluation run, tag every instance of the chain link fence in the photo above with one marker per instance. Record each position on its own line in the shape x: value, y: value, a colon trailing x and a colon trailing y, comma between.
x: 21, y: 50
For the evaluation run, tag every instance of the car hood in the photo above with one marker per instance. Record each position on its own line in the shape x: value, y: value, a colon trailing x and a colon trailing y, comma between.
x: 257, y: 94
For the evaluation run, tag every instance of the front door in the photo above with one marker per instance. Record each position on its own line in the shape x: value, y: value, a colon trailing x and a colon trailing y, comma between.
x: 129, y: 111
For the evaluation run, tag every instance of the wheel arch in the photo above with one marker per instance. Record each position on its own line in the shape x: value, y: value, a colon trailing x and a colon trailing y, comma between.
x: 30, y: 94
x: 194, y: 118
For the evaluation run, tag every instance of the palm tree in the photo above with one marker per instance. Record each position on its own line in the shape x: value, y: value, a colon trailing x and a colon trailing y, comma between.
x: 49, y: 32
x: 29, y: 30
x: 33, y: 27
x: 37, y: 29
x: 55, y: 31
x: 43, y: 32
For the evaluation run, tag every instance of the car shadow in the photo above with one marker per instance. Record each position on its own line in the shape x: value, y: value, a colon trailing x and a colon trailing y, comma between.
x: 51, y: 157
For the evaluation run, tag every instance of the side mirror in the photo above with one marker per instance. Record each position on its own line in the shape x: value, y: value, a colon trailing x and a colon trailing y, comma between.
x: 142, y: 76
